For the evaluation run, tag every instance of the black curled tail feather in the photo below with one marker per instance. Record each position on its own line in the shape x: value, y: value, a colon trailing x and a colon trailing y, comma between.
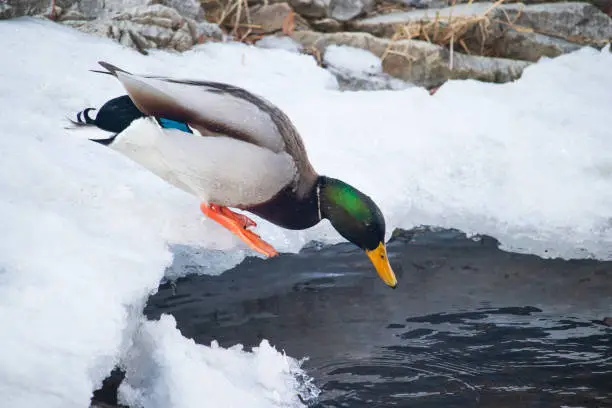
x: 83, y: 118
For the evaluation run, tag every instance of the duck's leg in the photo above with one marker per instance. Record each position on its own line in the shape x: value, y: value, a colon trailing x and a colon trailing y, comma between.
x: 238, y: 224
x: 242, y: 219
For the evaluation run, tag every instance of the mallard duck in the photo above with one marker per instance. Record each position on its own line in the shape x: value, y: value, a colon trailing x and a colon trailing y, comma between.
x: 233, y: 149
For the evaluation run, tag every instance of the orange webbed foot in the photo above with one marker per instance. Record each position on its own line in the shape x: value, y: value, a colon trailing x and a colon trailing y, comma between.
x: 241, y: 219
x: 238, y: 224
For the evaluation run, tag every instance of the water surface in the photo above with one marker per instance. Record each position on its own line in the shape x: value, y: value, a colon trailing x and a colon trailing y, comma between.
x: 469, y: 325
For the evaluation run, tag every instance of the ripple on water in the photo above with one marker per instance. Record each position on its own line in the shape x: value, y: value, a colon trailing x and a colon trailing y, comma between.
x: 486, y: 356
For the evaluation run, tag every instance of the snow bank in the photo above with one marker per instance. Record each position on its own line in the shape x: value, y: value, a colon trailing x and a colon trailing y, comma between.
x: 88, y: 234
x: 166, y: 370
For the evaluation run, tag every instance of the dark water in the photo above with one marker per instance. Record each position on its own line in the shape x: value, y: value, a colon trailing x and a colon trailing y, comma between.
x: 468, y: 326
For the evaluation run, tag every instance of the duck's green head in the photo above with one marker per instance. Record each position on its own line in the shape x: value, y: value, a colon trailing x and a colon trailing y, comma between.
x: 358, y: 219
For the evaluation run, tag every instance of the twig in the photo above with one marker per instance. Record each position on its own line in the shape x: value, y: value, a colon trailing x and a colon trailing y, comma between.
x: 464, y: 46
x: 452, y: 52
x: 237, y: 17
x: 227, y: 11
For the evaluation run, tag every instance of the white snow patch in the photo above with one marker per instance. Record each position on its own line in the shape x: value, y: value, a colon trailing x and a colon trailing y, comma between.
x: 358, y: 69
x: 352, y: 59
x: 166, y: 370
x: 279, y: 42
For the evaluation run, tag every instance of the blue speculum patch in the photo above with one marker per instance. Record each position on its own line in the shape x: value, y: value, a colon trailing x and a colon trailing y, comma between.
x: 173, y: 124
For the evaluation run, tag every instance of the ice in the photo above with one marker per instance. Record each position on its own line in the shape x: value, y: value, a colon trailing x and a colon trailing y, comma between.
x: 88, y: 234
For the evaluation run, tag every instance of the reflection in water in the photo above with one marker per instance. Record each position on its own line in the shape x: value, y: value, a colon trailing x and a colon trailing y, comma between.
x: 469, y: 325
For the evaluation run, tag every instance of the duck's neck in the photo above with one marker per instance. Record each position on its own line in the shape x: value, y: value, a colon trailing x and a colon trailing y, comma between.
x: 290, y: 211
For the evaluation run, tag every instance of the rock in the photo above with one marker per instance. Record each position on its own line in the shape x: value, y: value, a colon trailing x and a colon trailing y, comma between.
x: 154, y: 26
x: 385, y: 25
x: 345, y: 10
x: 139, y: 24
x: 73, y: 14
x: 327, y: 25
x: 603, y: 5
x: 6, y: 11
x: 607, y: 321
x: 531, y: 46
x: 205, y: 31
x: 18, y: 8
x: 576, y: 22
x: 311, y: 8
x: 430, y: 4
x: 431, y: 65
x: 106, y: 8
x: 187, y: 8
x: 509, y: 31
x: 419, y: 62
x: 91, y: 9
x: 332, y: 12
x: 271, y: 18
x: 157, y: 14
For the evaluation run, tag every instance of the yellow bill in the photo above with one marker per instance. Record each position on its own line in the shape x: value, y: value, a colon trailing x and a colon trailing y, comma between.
x: 380, y: 260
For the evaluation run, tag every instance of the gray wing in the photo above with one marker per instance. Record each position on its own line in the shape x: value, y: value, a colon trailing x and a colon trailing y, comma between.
x: 219, y: 109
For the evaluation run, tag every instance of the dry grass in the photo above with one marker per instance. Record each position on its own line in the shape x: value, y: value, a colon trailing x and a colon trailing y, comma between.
x: 476, y: 34
x: 470, y: 34
x: 232, y: 15
x: 386, y: 7
x: 452, y: 31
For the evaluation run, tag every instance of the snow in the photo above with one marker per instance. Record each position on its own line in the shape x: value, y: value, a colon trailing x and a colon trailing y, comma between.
x: 89, y: 234
x: 447, y: 13
x: 278, y: 42
x: 352, y: 59
x: 168, y: 371
x: 358, y: 69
